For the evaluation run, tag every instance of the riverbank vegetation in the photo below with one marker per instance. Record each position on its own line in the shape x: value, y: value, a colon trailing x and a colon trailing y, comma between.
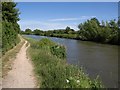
x: 49, y: 59
x: 107, y: 32
x: 90, y: 30
x: 9, y: 57
x: 10, y: 27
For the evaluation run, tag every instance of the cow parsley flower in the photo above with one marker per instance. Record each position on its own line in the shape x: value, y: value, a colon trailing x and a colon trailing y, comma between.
x: 78, y: 81
x: 67, y: 81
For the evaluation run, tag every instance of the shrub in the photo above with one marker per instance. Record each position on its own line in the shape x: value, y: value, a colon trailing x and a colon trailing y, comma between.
x: 45, y: 42
x: 58, y: 50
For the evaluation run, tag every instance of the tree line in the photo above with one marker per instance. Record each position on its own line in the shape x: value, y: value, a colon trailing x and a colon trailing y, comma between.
x: 90, y: 30
x: 106, y: 32
x: 10, y: 27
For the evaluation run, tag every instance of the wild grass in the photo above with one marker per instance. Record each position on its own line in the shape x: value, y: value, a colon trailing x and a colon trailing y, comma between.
x: 52, y: 71
x: 9, y: 57
x: 70, y: 36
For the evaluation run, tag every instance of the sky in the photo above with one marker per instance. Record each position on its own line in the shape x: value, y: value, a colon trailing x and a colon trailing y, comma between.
x: 59, y: 15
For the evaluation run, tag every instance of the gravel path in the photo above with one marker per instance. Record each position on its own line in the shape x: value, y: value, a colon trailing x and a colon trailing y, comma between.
x: 21, y: 75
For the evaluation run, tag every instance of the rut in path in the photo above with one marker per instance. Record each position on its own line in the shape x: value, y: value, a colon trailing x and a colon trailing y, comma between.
x: 21, y: 75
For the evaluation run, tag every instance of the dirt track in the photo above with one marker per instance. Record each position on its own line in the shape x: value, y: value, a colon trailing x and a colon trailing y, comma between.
x: 21, y: 75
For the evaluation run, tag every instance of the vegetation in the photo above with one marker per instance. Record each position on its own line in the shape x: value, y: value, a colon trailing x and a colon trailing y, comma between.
x: 27, y: 31
x: 53, y: 71
x: 0, y: 39
x: 90, y: 30
x: 58, y: 50
x: 61, y: 33
x: 8, y: 58
x: 10, y: 27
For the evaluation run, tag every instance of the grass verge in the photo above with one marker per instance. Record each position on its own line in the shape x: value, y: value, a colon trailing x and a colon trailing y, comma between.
x: 9, y: 57
x: 52, y: 71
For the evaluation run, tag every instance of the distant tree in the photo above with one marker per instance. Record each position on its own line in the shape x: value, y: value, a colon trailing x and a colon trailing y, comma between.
x: 28, y: 31
x: 68, y: 30
x: 22, y: 32
x: 38, y: 32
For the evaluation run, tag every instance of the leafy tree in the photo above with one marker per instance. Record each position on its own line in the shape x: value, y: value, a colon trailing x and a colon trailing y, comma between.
x: 28, y: 31
x: 38, y: 32
x: 9, y: 12
x: 10, y: 27
x: 96, y: 20
x: 92, y: 30
x: 67, y: 29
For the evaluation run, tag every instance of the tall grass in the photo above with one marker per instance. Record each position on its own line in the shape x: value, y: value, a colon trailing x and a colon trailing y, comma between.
x: 52, y: 70
x: 9, y: 57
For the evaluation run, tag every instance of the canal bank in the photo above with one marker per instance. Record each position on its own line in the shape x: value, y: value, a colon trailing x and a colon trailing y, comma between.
x: 96, y: 59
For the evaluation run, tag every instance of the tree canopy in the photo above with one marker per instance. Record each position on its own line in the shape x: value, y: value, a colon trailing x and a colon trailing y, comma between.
x: 106, y: 33
x: 10, y: 27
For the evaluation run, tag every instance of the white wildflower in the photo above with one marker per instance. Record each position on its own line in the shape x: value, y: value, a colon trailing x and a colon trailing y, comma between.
x: 67, y: 81
x: 78, y: 81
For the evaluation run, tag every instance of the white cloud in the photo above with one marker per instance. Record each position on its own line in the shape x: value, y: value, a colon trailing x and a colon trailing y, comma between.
x: 44, y: 25
x: 72, y: 19
x: 52, y: 23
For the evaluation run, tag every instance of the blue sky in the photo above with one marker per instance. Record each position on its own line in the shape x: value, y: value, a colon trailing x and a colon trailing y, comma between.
x: 58, y: 15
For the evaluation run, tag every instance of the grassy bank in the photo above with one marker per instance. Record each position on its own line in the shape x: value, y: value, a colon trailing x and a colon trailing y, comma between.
x: 9, y: 57
x: 68, y: 36
x: 52, y: 71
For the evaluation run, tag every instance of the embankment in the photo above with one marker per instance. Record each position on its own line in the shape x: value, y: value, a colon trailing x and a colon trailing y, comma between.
x: 52, y: 71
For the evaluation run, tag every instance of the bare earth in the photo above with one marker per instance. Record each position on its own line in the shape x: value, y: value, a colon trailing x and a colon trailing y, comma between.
x: 21, y: 75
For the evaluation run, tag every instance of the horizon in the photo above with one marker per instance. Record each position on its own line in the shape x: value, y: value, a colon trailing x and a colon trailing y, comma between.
x: 58, y: 15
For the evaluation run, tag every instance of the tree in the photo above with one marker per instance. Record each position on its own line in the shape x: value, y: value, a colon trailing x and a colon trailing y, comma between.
x: 28, y: 31
x: 67, y: 29
x: 113, y: 24
x: 9, y: 12
x: 92, y: 30
x: 96, y: 20
x: 38, y: 32
x: 10, y: 27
